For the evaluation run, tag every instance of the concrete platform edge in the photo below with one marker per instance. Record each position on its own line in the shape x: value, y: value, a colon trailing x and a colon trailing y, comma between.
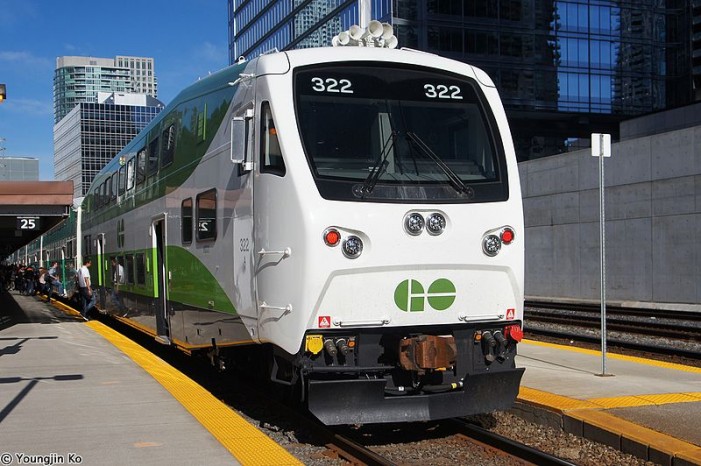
x: 599, y: 426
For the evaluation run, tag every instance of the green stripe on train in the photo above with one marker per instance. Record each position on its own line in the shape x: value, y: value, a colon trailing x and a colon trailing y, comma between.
x: 192, y: 283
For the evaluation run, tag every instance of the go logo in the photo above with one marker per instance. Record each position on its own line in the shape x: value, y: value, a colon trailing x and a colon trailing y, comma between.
x: 409, y: 296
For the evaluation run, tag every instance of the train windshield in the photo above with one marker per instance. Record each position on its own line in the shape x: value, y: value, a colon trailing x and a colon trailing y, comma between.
x: 375, y: 133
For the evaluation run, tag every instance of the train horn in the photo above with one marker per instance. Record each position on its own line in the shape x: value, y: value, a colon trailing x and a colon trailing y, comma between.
x: 375, y: 29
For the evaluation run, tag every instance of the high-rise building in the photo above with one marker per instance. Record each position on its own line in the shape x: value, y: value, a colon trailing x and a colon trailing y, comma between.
x: 79, y: 79
x: 696, y: 46
x: 19, y: 168
x: 564, y: 68
x: 257, y: 26
x: 142, y: 74
x: 93, y: 133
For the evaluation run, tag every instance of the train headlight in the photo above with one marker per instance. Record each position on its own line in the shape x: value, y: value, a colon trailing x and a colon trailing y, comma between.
x: 491, y: 244
x: 414, y: 224
x: 352, y: 247
x: 435, y: 224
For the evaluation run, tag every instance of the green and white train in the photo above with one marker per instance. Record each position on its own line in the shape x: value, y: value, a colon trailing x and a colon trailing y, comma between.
x: 354, y: 213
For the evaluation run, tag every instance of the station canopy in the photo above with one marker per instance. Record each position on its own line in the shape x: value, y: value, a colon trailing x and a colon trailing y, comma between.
x: 29, y: 209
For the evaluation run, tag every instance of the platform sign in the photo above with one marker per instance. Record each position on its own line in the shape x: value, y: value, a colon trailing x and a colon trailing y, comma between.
x: 600, y: 145
x: 28, y: 223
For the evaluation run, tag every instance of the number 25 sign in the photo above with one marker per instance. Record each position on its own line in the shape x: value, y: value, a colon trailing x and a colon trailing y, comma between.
x: 27, y: 223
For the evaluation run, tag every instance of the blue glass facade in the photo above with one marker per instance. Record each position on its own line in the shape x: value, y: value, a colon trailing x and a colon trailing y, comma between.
x: 564, y: 68
x: 257, y: 26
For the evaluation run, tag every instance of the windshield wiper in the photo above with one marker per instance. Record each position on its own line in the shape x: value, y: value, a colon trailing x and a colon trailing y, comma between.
x: 453, y: 178
x: 380, y: 166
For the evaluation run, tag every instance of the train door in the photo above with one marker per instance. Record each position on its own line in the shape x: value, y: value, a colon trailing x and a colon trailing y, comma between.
x: 160, y: 279
x: 242, y: 130
x: 101, y: 266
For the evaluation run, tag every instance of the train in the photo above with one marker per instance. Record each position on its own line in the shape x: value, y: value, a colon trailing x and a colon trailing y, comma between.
x: 352, y: 214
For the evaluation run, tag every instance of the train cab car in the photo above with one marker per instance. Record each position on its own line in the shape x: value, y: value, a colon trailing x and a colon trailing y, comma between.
x: 355, y: 211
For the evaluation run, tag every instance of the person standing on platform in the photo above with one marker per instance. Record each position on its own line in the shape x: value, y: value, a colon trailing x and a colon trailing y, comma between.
x: 84, y: 286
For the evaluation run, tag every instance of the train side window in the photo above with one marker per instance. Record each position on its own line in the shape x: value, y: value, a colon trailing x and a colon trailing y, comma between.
x: 87, y: 245
x: 103, y: 194
x: 270, y: 153
x: 141, y: 167
x: 140, y: 270
x: 186, y: 216
x: 129, y: 269
x: 122, y: 179
x: 207, y: 215
x: 130, y: 174
x: 168, y: 150
x: 113, y: 187
x: 153, y: 157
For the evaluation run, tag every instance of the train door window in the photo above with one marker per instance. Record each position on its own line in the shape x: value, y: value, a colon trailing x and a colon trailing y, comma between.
x: 87, y: 245
x: 113, y: 187
x: 122, y: 179
x: 207, y: 215
x: 129, y: 269
x: 270, y: 153
x: 153, y: 157
x: 130, y: 174
x: 141, y: 167
x: 103, y: 194
x: 140, y: 270
x: 186, y: 218
x: 168, y: 151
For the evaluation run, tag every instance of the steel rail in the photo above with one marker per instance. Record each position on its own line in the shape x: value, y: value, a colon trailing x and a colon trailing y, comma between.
x: 511, y: 447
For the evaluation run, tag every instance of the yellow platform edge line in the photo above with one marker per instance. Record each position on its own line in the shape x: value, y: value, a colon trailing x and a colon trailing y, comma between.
x: 218, y: 418
x: 619, y: 357
x: 591, y: 412
x: 667, y: 444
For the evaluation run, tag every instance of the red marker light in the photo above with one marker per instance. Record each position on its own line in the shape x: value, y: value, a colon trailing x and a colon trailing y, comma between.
x: 507, y: 235
x: 332, y: 237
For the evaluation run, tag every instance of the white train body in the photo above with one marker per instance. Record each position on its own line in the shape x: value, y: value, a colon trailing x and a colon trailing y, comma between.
x: 317, y: 152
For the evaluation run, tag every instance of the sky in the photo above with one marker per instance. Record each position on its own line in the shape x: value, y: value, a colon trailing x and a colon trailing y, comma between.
x: 186, y: 38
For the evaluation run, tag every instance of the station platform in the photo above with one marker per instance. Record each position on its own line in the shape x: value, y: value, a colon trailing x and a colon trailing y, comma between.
x: 647, y: 408
x: 76, y: 392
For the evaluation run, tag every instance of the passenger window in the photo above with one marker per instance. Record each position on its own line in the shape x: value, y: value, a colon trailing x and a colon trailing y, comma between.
x: 140, y: 270
x: 122, y: 179
x: 270, y: 153
x: 168, y: 152
x: 141, y: 167
x: 207, y: 215
x: 87, y: 245
x: 129, y: 269
x: 130, y: 174
x: 186, y: 216
x: 153, y: 157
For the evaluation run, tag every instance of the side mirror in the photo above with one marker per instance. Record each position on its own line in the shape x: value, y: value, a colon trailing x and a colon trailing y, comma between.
x: 239, y: 140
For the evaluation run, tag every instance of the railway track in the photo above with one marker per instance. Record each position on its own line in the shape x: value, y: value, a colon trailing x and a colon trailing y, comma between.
x: 668, y: 333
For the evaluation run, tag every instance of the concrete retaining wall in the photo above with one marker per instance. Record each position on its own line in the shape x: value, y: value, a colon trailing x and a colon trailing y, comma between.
x: 653, y: 221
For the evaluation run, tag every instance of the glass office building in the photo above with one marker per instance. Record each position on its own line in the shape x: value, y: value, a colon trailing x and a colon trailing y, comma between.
x: 564, y: 68
x: 93, y: 133
x: 79, y: 79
